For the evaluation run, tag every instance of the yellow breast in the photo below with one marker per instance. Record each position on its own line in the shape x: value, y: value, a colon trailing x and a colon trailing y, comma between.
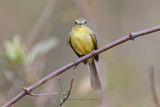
x: 81, y: 40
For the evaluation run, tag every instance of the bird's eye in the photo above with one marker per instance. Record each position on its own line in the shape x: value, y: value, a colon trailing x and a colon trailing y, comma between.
x: 75, y: 22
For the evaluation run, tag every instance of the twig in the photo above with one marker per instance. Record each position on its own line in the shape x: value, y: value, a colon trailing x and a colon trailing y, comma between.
x: 72, y: 64
x: 37, y: 95
x: 69, y: 89
x: 49, y: 88
x: 60, y: 85
x: 153, y: 89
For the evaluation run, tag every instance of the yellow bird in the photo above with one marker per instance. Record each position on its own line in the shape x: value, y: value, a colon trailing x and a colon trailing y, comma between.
x: 83, y: 41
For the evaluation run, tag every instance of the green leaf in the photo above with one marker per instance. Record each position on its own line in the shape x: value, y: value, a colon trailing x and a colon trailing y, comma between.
x: 15, y: 51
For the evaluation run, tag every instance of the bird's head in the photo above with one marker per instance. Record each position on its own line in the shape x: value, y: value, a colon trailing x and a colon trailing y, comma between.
x: 80, y: 21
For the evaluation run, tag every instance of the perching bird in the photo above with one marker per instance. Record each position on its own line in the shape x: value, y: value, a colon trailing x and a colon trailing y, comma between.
x: 83, y: 41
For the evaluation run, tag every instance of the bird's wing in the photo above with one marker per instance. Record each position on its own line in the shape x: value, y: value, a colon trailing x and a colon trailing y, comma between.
x: 93, y: 35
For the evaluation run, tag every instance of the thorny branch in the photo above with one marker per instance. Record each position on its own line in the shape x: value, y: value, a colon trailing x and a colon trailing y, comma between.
x: 59, y: 71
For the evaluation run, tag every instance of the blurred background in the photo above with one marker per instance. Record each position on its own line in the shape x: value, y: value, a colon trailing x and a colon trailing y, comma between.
x: 33, y: 37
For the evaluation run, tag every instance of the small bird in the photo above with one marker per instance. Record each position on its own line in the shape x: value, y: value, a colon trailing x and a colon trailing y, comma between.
x: 83, y: 41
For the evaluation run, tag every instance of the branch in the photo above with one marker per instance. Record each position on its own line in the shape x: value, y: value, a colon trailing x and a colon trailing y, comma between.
x: 59, y: 71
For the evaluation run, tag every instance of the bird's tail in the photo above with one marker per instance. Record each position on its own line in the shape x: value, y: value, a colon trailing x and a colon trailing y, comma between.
x: 94, y: 76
